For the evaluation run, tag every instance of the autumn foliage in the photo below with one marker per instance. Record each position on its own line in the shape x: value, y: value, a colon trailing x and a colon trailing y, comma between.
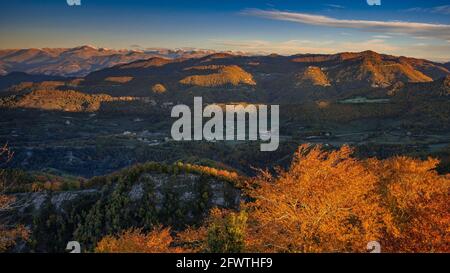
x: 135, y: 241
x: 8, y: 234
x: 417, y: 199
x: 223, y: 231
x: 324, y: 202
x: 332, y: 202
x: 327, y: 201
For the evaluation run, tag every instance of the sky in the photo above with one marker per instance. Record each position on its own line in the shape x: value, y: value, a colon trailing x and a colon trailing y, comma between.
x: 414, y: 28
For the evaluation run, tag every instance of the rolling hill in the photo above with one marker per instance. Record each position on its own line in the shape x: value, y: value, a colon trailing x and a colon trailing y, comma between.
x: 68, y: 101
x: 15, y: 78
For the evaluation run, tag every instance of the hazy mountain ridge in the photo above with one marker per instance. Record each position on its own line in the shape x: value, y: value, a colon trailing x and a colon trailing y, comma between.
x: 79, y: 61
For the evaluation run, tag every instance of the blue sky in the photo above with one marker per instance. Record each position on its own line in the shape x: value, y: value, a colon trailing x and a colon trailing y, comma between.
x: 414, y: 28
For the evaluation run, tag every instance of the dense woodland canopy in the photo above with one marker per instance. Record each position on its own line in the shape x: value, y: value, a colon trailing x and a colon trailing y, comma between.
x: 327, y: 201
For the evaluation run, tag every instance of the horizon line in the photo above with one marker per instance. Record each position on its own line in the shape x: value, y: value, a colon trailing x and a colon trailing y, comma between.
x: 235, y: 52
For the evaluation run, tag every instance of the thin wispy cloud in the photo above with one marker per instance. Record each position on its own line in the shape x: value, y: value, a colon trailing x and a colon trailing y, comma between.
x: 382, y: 36
x: 439, y: 31
x: 335, y: 6
x: 445, y: 9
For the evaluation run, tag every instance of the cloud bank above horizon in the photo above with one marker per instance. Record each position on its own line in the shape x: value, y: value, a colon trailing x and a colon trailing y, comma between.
x: 439, y: 31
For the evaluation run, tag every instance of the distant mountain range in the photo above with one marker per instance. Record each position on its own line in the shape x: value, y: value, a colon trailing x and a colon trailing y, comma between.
x: 272, y: 76
x: 79, y: 61
x: 178, y: 75
x: 82, y: 60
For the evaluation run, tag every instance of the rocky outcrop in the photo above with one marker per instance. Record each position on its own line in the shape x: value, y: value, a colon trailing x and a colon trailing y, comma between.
x: 138, y: 197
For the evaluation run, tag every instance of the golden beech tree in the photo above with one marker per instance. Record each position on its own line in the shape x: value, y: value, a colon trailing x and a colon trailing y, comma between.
x: 326, y: 201
x: 159, y: 240
x: 417, y: 199
x: 329, y: 202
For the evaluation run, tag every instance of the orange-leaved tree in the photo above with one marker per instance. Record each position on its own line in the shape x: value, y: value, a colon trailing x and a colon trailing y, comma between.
x: 333, y: 202
x: 325, y: 202
x: 159, y: 240
x: 417, y: 198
